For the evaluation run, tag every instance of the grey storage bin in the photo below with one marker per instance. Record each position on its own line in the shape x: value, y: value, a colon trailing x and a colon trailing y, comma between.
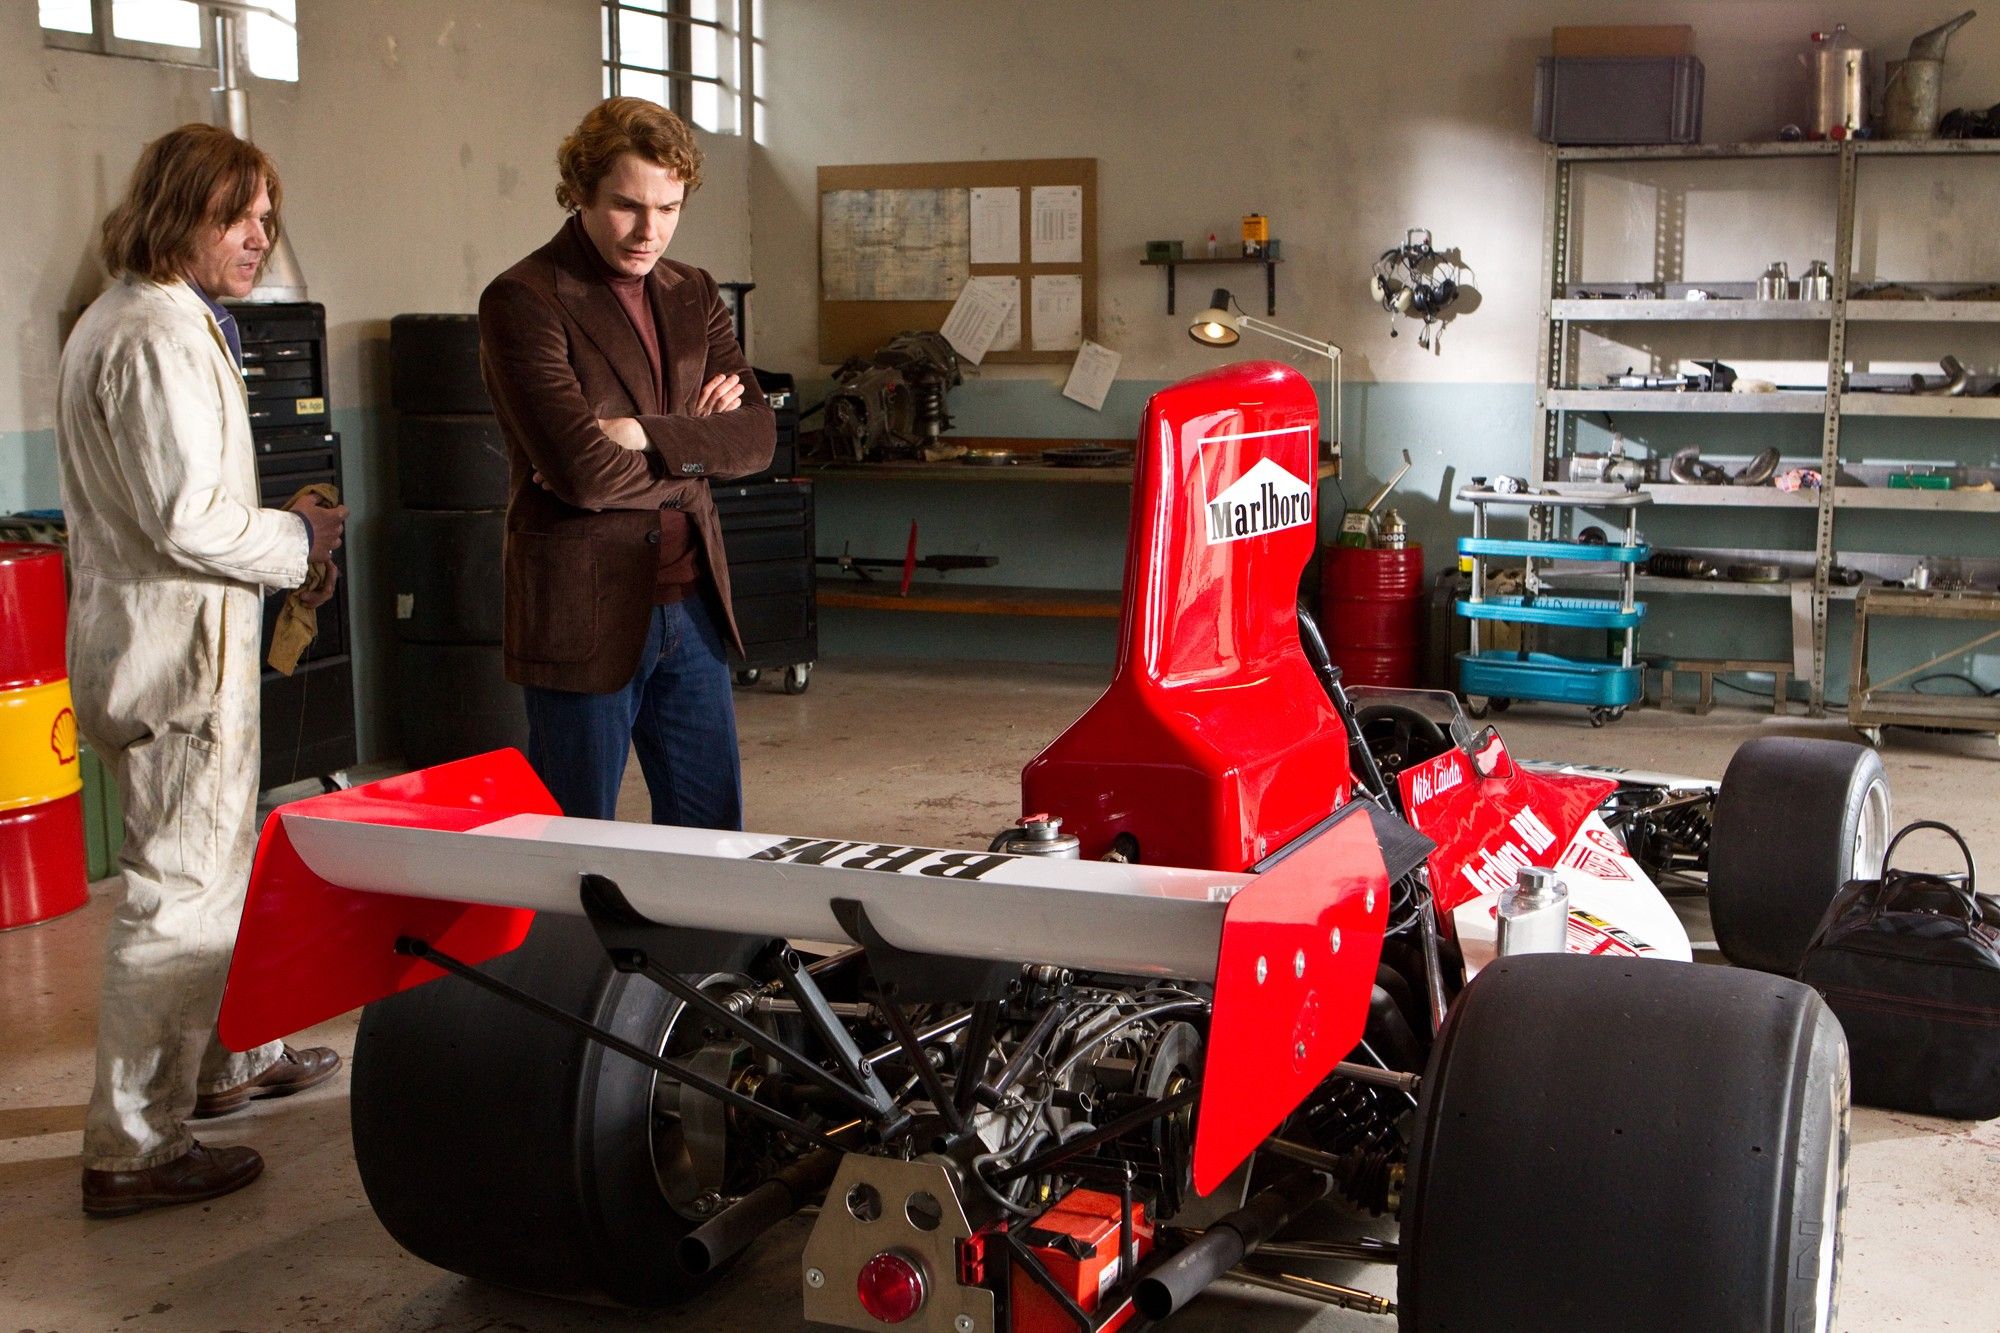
x: 1618, y: 99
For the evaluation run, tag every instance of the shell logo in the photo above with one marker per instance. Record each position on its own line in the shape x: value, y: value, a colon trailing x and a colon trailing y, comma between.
x: 62, y: 736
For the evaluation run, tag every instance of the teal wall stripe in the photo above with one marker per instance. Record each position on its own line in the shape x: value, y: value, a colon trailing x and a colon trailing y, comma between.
x: 1073, y: 536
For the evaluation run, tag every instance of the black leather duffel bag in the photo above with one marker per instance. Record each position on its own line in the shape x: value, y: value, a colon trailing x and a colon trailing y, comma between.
x: 1910, y: 964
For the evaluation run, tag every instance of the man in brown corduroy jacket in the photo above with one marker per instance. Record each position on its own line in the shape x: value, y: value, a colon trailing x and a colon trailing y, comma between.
x: 622, y: 393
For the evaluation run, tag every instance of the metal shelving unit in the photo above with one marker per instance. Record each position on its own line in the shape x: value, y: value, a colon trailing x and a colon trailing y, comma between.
x: 1558, y: 400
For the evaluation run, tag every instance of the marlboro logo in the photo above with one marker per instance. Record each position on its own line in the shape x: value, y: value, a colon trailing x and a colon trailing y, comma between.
x: 1267, y: 498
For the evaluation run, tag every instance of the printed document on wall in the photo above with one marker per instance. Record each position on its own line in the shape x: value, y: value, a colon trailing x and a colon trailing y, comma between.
x: 1008, y: 291
x: 977, y: 317
x: 996, y: 225
x: 1057, y: 322
x: 1090, y: 378
x: 1058, y: 223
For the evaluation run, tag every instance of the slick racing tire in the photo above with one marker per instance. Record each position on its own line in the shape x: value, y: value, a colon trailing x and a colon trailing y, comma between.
x: 451, y: 462
x: 1795, y: 819
x: 1606, y: 1144
x: 434, y: 364
x: 499, y: 1145
x: 447, y: 574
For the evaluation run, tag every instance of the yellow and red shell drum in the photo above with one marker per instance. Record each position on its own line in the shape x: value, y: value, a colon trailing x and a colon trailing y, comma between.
x: 41, y: 781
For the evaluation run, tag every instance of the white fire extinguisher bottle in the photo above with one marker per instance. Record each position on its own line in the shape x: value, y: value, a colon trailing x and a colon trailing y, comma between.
x: 1534, y: 913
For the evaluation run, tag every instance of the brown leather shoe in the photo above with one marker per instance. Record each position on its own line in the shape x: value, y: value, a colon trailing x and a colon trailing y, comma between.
x: 294, y: 1071
x: 199, y: 1173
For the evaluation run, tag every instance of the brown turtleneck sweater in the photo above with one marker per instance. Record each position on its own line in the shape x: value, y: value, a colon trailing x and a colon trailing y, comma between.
x: 677, y: 569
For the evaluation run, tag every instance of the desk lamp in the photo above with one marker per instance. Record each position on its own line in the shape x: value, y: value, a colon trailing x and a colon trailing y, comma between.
x: 1221, y: 325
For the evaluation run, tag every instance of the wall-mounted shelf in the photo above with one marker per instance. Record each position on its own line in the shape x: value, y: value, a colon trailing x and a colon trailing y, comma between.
x: 1270, y: 275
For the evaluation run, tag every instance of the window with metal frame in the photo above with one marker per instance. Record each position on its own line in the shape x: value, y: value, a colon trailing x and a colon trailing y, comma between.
x: 175, y: 32
x: 679, y: 53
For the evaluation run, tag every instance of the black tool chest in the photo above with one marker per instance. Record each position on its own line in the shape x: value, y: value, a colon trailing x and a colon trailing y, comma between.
x: 308, y: 717
x: 767, y: 532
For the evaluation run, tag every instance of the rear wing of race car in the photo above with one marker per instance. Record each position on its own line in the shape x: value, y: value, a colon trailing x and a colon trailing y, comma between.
x: 461, y: 857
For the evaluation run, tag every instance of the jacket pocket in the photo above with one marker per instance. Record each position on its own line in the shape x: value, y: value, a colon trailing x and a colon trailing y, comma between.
x: 551, y: 602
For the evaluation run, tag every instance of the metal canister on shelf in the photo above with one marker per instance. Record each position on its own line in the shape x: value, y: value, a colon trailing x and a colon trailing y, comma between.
x: 1395, y: 534
x: 1816, y: 283
x: 1775, y: 283
x: 1839, y: 67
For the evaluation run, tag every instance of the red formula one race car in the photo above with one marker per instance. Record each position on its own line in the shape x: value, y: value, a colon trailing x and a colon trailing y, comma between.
x: 1237, y: 962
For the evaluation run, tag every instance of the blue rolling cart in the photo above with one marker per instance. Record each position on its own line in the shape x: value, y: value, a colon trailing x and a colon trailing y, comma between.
x: 1496, y: 677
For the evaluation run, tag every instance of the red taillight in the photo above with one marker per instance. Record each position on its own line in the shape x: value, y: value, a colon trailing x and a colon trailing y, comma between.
x: 891, y: 1287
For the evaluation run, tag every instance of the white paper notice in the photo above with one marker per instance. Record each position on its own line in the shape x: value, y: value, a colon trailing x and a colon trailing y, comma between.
x: 1058, y: 223
x: 1090, y: 378
x: 1008, y: 291
x: 976, y: 318
x: 1058, y: 312
x: 996, y: 225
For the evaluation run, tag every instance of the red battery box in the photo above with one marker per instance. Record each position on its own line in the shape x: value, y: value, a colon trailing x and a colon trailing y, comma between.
x: 1077, y: 1242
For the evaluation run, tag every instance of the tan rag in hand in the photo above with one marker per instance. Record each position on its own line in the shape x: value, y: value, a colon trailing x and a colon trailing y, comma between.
x: 299, y: 623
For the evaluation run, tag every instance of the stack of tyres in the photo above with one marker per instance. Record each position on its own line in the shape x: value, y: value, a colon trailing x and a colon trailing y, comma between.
x: 446, y: 544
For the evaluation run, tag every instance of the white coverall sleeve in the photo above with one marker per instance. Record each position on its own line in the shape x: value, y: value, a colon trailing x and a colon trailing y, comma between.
x: 169, y: 426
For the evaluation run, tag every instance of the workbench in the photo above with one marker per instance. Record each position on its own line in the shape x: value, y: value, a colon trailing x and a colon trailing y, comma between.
x: 969, y: 598
x: 1872, y: 704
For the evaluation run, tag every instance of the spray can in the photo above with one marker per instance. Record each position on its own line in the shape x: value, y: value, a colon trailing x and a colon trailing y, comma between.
x: 1534, y: 913
x: 1839, y: 66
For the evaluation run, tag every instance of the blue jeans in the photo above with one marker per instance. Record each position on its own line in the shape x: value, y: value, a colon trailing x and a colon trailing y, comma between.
x: 677, y: 712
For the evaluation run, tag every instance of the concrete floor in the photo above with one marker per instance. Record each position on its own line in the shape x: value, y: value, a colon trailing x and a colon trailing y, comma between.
x: 920, y: 754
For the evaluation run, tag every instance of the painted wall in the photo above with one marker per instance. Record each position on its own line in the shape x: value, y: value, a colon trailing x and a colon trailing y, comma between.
x: 1346, y: 121
x: 418, y: 155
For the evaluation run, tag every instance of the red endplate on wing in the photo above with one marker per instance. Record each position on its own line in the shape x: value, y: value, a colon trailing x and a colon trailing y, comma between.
x: 308, y: 950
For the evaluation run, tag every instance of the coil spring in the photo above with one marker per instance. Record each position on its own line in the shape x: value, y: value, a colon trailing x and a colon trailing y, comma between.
x: 1357, y: 1124
x: 1690, y: 826
x: 930, y: 412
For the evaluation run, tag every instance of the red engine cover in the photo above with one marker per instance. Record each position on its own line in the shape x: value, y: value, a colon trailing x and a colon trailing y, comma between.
x: 1214, y: 743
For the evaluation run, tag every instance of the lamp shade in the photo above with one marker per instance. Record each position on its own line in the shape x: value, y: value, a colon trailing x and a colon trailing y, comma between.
x: 1217, y: 326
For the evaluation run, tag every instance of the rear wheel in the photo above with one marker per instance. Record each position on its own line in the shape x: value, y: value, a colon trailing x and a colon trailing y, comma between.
x: 496, y: 1144
x: 1794, y: 820
x: 1631, y: 1145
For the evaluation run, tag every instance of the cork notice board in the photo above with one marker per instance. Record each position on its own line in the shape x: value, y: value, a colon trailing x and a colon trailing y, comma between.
x: 897, y: 245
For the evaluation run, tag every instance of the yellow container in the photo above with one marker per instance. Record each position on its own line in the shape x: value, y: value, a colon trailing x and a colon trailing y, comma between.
x: 37, y: 746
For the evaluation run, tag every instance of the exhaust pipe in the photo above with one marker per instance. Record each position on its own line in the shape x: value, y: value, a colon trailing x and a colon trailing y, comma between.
x: 1177, y: 1281
x: 730, y: 1232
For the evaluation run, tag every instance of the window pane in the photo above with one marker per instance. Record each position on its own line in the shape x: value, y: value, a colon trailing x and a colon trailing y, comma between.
x: 642, y: 39
x: 163, y: 22
x: 638, y: 83
x: 705, y: 9
x: 707, y: 107
x: 604, y: 32
x: 657, y: 6
x: 274, y: 48
x: 607, y: 81
x: 66, y: 15
x: 704, y: 52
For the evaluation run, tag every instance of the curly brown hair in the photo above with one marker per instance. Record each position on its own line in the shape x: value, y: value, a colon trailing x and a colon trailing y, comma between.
x: 624, y: 125
x: 186, y: 181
